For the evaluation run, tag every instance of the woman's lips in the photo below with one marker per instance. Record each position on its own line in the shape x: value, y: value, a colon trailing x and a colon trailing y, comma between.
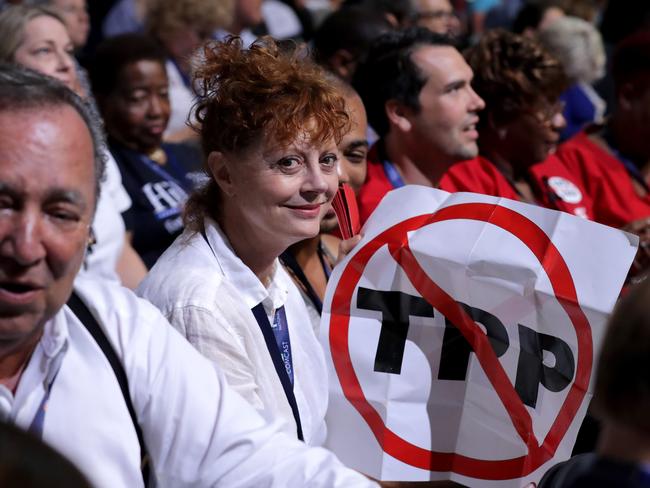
x: 306, y: 211
x: 156, y: 130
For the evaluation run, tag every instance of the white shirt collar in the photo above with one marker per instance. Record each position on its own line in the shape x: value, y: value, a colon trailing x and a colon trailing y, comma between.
x: 241, y: 277
x: 55, y: 335
x: 54, y: 345
x: 42, y: 366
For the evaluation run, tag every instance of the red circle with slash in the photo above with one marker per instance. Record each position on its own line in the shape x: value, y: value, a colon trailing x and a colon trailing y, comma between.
x: 562, y: 283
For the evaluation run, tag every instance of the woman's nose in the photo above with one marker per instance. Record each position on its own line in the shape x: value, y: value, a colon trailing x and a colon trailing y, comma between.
x: 66, y: 63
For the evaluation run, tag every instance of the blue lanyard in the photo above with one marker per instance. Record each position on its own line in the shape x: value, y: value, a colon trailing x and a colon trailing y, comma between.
x: 281, y: 332
x: 326, y: 266
x: 277, y: 341
x: 36, y: 427
x: 392, y: 174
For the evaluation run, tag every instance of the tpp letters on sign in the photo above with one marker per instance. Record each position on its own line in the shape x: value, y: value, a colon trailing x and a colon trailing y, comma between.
x: 461, y: 335
x: 396, y: 308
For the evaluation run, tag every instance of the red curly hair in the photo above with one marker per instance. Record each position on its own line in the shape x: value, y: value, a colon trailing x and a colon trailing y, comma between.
x: 266, y: 93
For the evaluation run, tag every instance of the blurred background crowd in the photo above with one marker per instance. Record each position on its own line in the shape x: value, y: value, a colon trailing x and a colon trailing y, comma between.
x: 541, y: 101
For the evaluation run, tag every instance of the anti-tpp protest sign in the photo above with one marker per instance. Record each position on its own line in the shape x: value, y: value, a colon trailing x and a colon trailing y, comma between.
x: 462, y: 334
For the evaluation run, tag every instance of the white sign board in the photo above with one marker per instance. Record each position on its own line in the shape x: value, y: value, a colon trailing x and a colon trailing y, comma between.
x: 461, y: 336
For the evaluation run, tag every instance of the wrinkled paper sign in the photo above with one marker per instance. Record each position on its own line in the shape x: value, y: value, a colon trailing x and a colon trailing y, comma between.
x: 461, y: 336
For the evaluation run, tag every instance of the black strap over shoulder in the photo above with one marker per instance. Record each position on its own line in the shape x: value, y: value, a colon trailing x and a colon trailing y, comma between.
x: 289, y: 260
x: 85, y: 316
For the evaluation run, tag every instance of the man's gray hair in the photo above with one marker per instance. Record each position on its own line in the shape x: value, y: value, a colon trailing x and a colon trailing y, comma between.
x: 24, y: 89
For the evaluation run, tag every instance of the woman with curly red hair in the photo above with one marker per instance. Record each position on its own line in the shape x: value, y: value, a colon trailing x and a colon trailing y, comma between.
x: 270, y: 124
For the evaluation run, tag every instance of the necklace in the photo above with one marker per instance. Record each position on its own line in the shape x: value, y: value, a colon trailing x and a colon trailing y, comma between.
x: 158, y: 155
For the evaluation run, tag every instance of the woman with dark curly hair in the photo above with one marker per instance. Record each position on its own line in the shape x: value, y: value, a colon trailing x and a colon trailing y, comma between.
x: 520, y: 127
x: 270, y: 124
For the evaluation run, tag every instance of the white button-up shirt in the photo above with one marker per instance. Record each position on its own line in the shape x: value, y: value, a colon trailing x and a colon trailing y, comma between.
x: 207, y: 293
x: 197, y: 430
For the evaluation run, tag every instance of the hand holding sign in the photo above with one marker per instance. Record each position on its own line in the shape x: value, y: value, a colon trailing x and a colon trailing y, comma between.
x: 462, y: 332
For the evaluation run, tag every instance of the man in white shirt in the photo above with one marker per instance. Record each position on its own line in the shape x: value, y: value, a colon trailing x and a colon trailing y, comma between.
x: 56, y: 376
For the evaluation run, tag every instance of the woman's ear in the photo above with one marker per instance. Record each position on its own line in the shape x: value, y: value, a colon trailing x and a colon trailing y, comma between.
x: 220, y: 171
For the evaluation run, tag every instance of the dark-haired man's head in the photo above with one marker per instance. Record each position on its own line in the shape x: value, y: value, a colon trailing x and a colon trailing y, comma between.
x: 345, y: 36
x: 536, y: 15
x: 397, y: 12
x: 28, y: 462
x: 353, y: 147
x: 417, y: 90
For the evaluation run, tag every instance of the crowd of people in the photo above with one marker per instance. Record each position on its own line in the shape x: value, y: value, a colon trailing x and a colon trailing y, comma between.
x: 167, y: 171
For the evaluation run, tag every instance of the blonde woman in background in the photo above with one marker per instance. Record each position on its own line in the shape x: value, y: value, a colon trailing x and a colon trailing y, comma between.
x: 74, y: 14
x: 181, y: 26
x: 579, y: 47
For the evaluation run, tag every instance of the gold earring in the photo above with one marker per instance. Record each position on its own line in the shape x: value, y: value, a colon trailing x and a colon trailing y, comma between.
x: 92, y: 240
